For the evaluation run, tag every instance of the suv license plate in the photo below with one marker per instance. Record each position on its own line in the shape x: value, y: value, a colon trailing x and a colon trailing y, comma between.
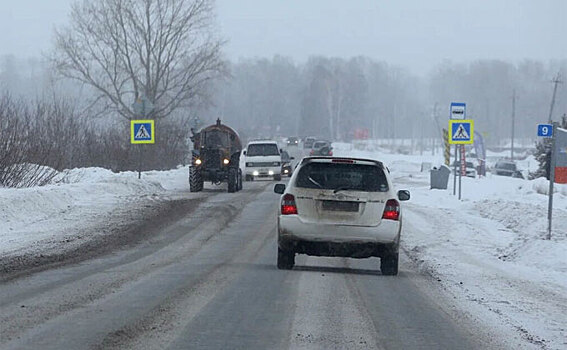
x: 340, y: 206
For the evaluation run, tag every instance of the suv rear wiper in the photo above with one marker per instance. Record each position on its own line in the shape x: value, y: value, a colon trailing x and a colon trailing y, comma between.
x: 343, y: 188
x: 314, y: 182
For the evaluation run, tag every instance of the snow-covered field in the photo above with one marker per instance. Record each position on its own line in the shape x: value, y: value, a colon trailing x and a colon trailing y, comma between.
x: 488, y: 250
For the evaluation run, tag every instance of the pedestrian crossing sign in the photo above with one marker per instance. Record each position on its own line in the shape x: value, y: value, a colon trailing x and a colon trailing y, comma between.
x: 142, y: 131
x: 462, y: 132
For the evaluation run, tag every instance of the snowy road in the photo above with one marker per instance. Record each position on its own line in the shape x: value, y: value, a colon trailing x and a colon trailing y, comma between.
x: 208, y: 280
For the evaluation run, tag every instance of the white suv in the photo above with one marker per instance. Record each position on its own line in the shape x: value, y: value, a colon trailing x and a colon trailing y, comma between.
x: 343, y: 207
x: 263, y: 160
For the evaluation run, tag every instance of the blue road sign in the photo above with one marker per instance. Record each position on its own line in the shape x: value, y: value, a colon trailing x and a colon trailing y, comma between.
x: 545, y: 130
x: 461, y: 132
x: 142, y: 131
x: 458, y: 110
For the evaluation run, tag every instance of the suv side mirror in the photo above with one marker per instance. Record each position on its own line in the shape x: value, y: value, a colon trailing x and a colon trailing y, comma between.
x: 279, y: 188
x: 244, y: 152
x: 403, y: 195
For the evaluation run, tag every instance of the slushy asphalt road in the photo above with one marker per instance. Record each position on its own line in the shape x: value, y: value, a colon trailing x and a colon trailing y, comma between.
x: 209, y: 281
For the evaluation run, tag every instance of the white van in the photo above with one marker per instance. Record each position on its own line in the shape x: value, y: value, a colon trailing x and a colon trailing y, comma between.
x: 263, y: 160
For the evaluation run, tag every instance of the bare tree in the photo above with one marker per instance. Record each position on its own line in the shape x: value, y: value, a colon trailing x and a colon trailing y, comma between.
x: 161, y: 50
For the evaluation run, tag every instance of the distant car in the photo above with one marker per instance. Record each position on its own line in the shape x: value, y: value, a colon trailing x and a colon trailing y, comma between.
x: 341, y: 207
x: 321, y: 148
x: 470, y: 169
x: 263, y: 160
x: 293, y: 141
x: 308, y: 142
x: 506, y: 168
x: 287, y: 170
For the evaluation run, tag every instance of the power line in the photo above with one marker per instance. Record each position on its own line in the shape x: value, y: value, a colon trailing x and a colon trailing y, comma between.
x: 513, y: 123
x: 556, y: 81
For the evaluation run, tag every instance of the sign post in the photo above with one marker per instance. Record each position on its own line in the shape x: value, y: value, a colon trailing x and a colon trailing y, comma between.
x: 551, y: 179
x: 455, y: 162
x: 142, y: 131
x: 463, y: 170
x: 457, y: 111
x: 461, y: 132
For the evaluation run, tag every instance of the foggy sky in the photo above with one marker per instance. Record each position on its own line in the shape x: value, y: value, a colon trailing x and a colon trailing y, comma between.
x: 413, y: 33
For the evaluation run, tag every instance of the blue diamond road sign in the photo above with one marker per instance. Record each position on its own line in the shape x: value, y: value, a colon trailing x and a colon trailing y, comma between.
x: 142, y: 131
x: 545, y: 130
x: 461, y: 131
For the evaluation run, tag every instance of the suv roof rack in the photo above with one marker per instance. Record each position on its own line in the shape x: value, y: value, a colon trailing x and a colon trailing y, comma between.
x: 309, y: 159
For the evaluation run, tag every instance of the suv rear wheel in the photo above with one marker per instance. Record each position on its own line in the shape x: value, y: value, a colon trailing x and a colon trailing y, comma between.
x: 286, y: 259
x: 389, y: 264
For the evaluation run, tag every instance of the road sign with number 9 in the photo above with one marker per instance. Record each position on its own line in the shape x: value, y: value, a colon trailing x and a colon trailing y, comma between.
x: 545, y: 130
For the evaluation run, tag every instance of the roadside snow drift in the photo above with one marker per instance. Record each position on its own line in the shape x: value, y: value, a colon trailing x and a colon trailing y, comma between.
x: 34, y: 218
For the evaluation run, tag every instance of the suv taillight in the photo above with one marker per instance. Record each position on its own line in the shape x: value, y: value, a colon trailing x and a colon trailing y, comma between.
x: 392, y: 210
x: 288, y: 205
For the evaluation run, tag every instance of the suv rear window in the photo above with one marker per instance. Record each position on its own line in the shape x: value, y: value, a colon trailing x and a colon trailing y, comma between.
x: 332, y: 176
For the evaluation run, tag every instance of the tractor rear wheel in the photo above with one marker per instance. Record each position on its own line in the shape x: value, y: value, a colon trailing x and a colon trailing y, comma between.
x: 232, y: 180
x: 239, y: 180
x: 195, y: 180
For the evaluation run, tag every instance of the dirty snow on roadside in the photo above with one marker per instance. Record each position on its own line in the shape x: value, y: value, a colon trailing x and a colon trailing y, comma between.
x: 37, y: 218
x: 488, y: 251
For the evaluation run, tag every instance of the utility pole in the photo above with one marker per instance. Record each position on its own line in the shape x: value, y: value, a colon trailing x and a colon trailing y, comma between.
x: 557, y: 80
x: 513, y: 123
x: 551, y: 179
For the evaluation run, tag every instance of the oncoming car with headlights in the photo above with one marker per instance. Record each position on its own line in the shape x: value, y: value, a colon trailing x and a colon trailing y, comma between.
x: 342, y: 207
x: 263, y: 160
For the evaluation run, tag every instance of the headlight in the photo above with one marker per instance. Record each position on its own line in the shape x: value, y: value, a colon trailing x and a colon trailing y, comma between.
x: 255, y: 173
x: 226, y: 161
x: 250, y: 165
x: 270, y: 172
x: 276, y: 164
x: 198, y: 161
x: 286, y: 171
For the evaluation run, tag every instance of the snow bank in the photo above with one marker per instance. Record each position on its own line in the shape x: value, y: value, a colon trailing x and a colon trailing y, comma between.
x: 76, y: 199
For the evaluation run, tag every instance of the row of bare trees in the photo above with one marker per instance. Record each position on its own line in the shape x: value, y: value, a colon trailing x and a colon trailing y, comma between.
x: 41, y: 138
x: 329, y: 97
x: 24, y: 153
